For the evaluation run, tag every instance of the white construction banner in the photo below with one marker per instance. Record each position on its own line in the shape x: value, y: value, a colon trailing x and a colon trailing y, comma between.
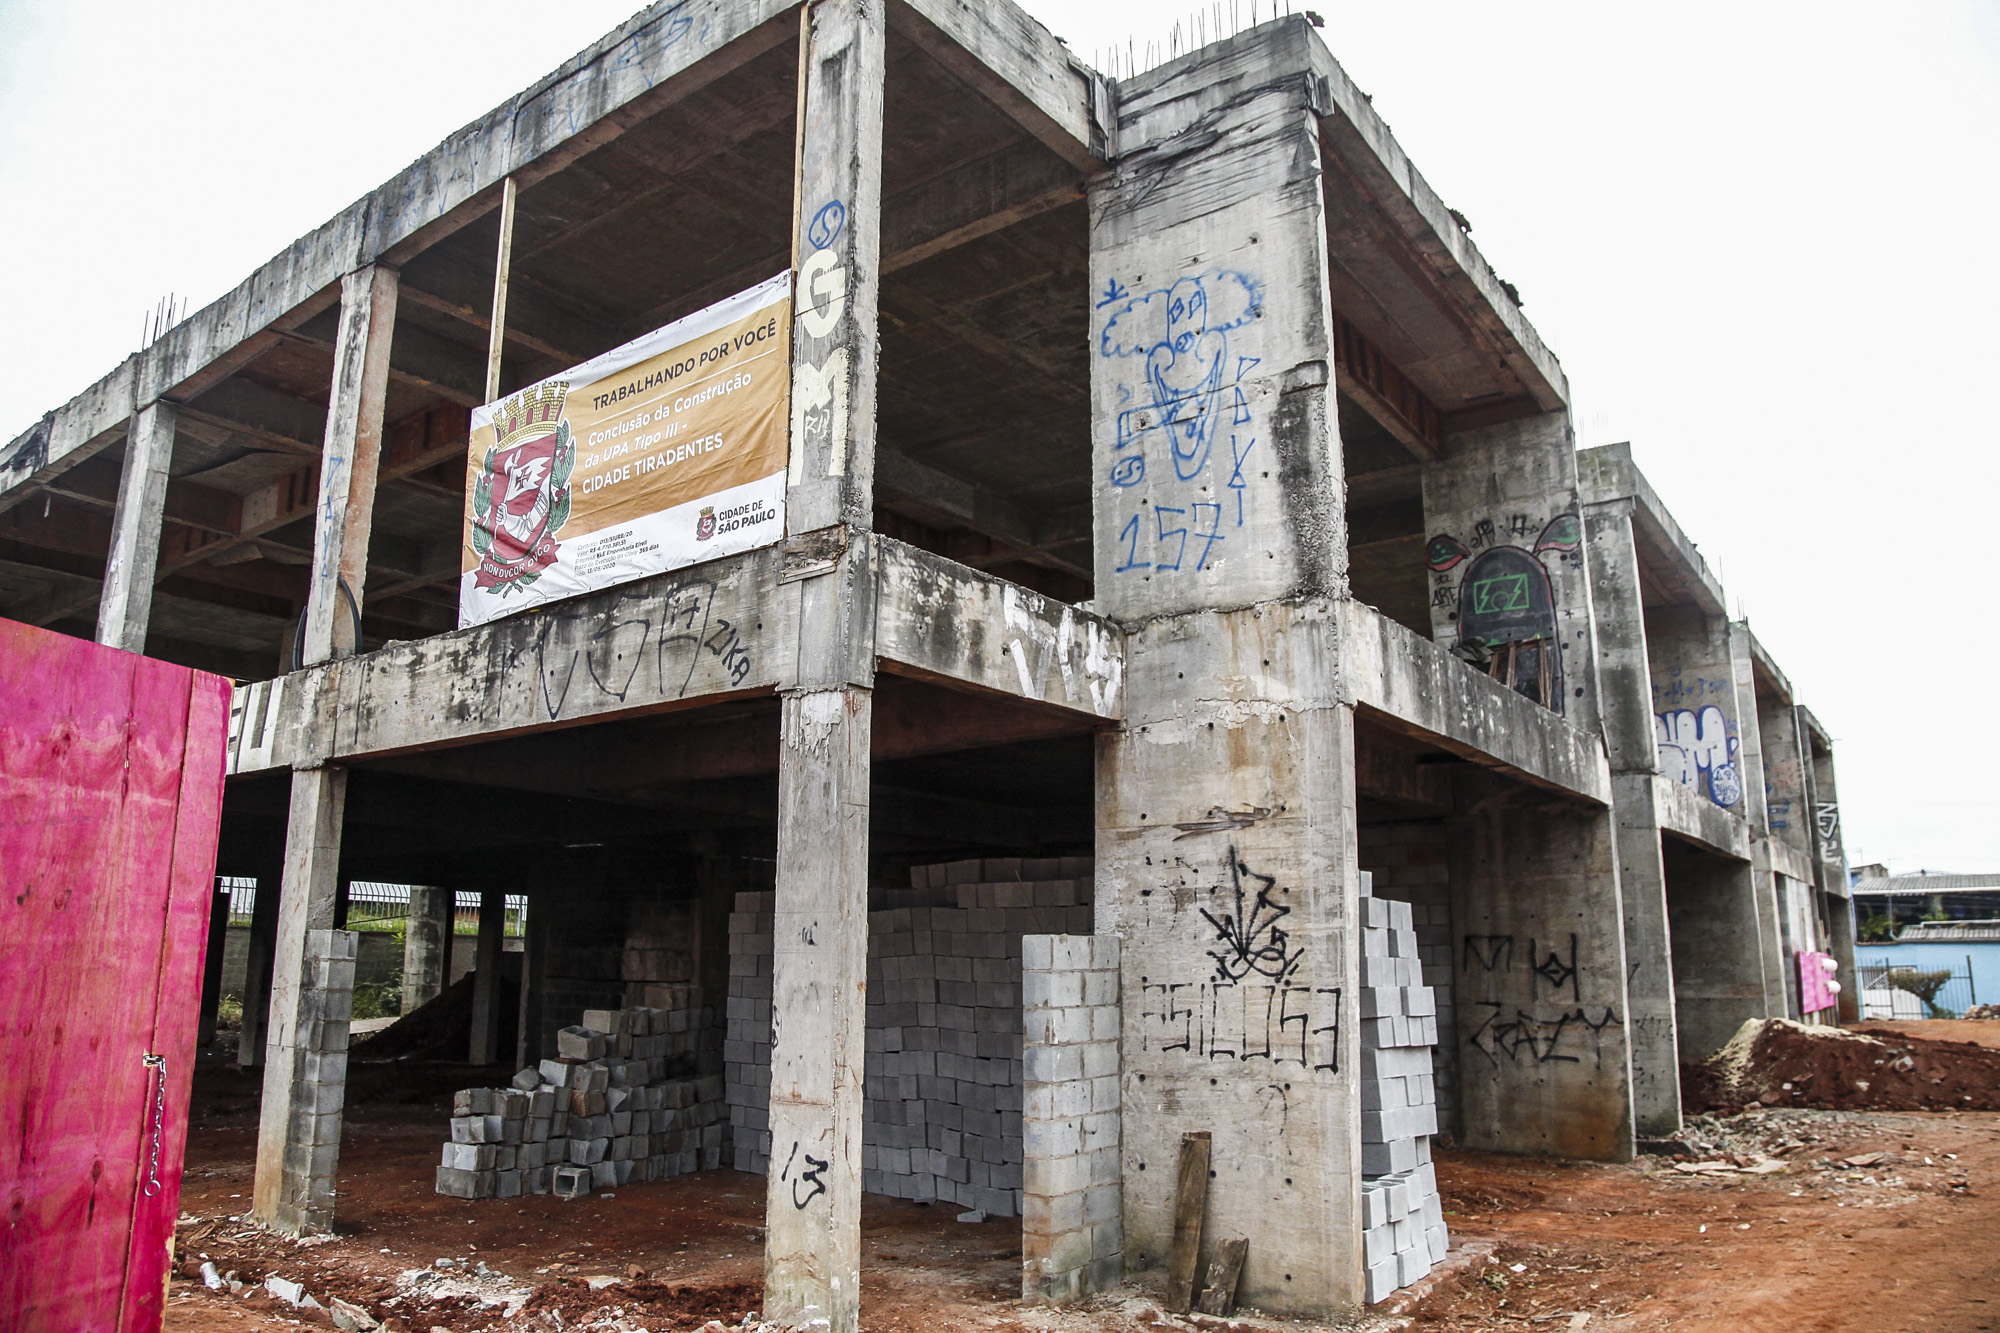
x: 663, y: 453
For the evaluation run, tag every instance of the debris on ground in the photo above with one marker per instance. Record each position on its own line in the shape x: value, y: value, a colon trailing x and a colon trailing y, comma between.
x: 1777, y: 1062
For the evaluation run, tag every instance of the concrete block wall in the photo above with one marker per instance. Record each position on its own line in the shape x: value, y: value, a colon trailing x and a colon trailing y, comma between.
x: 1407, y: 862
x: 943, y: 1079
x: 1073, y: 1229
x: 617, y: 1101
x: 1403, y: 1230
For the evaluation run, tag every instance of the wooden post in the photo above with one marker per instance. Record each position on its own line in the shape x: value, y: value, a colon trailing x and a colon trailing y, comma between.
x: 496, y: 338
x: 812, y: 1263
x: 312, y: 999
x: 485, y: 1045
x: 349, y: 461
x: 1190, y: 1205
x: 127, y: 603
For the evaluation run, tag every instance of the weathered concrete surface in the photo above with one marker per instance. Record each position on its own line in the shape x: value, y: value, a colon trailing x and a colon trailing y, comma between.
x: 1681, y: 810
x: 1544, y: 1058
x: 1625, y: 676
x: 720, y: 628
x: 135, y: 530
x: 1718, y: 948
x: 1356, y: 132
x: 312, y: 998
x: 1226, y: 862
x: 1421, y: 689
x: 350, y: 462
x: 1766, y: 852
x: 1506, y: 552
x: 1018, y: 65
x: 937, y: 618
x: 812, y: 1210
x: 812, y: 1247
x: 1225, y: 806
x: 427, y: 938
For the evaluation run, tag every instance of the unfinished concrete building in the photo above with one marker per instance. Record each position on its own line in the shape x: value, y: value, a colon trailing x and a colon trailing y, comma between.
x: 1182, y: 520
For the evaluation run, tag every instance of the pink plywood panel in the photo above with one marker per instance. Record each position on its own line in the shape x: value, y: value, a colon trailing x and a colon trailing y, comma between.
x: 177, y: 1009
x: 1816, y: 970
x: 93, y: 761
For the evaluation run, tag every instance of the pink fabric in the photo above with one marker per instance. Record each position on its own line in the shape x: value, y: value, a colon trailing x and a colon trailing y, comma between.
x: 111, y: 771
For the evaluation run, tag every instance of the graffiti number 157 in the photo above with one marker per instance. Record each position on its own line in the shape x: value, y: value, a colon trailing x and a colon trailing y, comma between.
x: 1172, y: 540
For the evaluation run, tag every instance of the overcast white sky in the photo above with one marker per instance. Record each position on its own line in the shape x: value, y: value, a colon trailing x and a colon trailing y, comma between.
x: 1759, y: 235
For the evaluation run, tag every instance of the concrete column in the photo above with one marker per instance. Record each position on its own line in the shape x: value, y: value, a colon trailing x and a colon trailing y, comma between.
x: 1545, y: 1060
x: 259, y: 958
x: 1750, y: 760
x: 211, y: 968
x: 485, y: 1045
x: 426, y: 941
x: 1625, y: 704
x: 129, y: 567
x: 1830, y: 862
x: 349, y: 461
x: 1225, y: 803
x: 812, y: 1247
x: 1506, y: 556
x: 527, y: 1050
x: 312, y: 999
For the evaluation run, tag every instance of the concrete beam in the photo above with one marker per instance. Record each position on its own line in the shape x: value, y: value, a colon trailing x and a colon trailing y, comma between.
x: 1687, y: 814
x: 1019, y: 66
x: 657, y: 57
x: 648, y: 646
x: 1359, y: 139
x: 938, y: 619
x: 1668, y: 559
x: 1411, y: 685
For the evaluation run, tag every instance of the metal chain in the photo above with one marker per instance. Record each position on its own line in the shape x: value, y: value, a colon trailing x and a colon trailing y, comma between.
x: 159, y: 1063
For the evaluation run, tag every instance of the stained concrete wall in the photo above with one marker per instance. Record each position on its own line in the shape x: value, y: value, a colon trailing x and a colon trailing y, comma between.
x: 1544, y: 1060
x: 1225, y: 806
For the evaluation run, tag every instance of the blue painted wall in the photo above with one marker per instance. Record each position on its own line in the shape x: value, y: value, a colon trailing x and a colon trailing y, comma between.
x: 1925, y: 957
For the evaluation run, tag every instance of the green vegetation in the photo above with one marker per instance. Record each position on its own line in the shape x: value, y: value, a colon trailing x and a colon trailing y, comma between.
x: 1924, y: 985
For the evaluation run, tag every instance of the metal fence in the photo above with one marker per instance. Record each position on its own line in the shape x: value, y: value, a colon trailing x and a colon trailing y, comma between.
x: 383, y: 907
x: 1883, y: 997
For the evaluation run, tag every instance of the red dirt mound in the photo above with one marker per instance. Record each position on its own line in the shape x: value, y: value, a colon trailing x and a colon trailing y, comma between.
x: 1781, y: 1063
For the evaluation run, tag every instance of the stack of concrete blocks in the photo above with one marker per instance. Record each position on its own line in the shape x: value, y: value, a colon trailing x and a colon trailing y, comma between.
x: 1409, y: 863
x: 942, y: 1111
x: 1402, y: 1216
x: 620, y: 1102
x: 1072, y: 1230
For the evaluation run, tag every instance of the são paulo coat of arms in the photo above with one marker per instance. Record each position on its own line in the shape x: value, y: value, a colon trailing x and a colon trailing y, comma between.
x: 521, y: 500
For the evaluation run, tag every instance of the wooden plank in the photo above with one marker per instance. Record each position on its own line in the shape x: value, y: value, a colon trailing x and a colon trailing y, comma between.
x: 1219, y: 1295
x: 1190, y: 1204
x: 496, y: 333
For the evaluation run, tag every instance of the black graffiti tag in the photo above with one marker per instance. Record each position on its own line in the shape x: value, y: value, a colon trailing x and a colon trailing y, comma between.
x: 1251, y: 940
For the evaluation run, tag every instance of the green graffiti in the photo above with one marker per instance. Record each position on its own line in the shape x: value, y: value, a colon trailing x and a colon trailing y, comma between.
x: 1505, y: 592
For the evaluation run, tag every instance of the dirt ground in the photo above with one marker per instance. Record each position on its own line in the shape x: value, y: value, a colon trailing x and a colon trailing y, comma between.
x: 1777, y: 1219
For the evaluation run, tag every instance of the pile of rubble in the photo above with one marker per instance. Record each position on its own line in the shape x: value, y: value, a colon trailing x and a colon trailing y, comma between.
x: 604, y: 1112
x: 1777, y: 1062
